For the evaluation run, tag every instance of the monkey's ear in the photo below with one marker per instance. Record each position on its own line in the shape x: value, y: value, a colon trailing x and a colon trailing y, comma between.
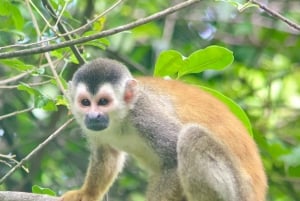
x: 130, y: 94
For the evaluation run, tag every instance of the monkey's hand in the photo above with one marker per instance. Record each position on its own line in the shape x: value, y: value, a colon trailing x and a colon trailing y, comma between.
x: 79, y: 195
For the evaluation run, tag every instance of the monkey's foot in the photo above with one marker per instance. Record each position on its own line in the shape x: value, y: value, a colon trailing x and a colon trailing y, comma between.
x: 78, y: 195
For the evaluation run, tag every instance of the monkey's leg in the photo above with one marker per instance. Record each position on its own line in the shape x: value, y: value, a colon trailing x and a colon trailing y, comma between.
x: 206, y: 169
x: 105, y: 164
x: 165, y: 186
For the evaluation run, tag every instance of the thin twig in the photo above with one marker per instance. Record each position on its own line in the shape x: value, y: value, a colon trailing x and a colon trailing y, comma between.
x: 61, y: 13
x: 29, y: 84
x: 47, y: 55
x: 63, y: 30
x: 15, y: 78
x: 37, y: 149
x: 27, y: 45
x: 57, y: 79
x: 102, y: 34
x: 11, y: 158
x: 40, y: 13
x: 277, y: 15
x: 77, y: 30
x: 15, y: 113
x: 88, y: 24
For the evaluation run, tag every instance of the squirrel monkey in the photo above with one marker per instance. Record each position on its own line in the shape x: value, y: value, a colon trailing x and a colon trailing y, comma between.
x: 192, y: 146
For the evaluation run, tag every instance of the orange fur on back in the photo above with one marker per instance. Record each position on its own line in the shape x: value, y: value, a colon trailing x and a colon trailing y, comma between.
x: 193, y: 105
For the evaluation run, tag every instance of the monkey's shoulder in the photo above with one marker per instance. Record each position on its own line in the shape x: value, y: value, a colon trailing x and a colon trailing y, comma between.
x: 194, y: 105
x: 183, y: 93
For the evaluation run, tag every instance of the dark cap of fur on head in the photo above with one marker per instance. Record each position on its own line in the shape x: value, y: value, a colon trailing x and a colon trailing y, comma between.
x: 100, y: 71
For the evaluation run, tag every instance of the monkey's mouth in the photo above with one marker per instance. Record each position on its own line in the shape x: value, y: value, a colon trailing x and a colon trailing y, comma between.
x: 96, y: 127
x: 96, y: 123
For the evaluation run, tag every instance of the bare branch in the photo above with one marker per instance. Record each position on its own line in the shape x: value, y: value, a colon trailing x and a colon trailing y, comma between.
x: 53, y: 70
x: 89, y: 23
x: 77, y: 30
x: 21, y: 196
x: 29, y: 84
x: 37, y: 149
x: 102, y: 34
x: 15, y: 78
x: 15, y: 113
x: 277, y: 15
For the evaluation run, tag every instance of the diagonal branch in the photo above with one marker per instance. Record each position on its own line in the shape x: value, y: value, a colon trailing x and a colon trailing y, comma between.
x: 277, y: 15
x: 15, y: 113
x: 38, y: 148
x: 102, y: 34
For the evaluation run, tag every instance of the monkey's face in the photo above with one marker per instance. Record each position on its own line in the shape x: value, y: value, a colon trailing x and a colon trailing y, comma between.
x: 93, y: 111
x: 101, y: 93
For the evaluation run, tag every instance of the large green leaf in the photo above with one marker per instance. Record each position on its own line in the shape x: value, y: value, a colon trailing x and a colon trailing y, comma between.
x: 173, y: 63
x: 168, y: 63
x: 212, y: 57
x: 11, y: 11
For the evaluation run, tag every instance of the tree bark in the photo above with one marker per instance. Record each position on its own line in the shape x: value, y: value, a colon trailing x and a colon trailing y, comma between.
x: 21, y: 196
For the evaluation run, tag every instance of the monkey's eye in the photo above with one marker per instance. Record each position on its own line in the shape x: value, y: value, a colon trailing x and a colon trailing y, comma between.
x: 85, y: 102
x: 103, y: 101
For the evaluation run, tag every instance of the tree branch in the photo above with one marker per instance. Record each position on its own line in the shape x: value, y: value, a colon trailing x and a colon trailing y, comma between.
x: 15, y: 113
x: 102, y: 34
x: 277, y: 15
x: 63, y: 30
x: 21, y: 196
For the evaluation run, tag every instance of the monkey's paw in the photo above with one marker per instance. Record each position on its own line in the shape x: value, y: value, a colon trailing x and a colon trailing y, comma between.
x: 78, y: 195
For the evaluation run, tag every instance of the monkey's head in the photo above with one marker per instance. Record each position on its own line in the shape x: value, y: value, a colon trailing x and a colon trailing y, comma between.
x: 100, y: 91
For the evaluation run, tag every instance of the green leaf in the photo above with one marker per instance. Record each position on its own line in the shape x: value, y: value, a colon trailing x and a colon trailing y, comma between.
x: 4, y: 8
x: 27, y: 88
x: 45, y: 103
x: 98, y: 25
x: 12, y: 12
x: 212, y: 57
x: 40, y: 100
x: 168, y: 63
x: 17, y: 17
x: 40, y: 190
x: 61, y: 100
x: 234, y: 108
x: 17, y: 64
x: 172, y: 62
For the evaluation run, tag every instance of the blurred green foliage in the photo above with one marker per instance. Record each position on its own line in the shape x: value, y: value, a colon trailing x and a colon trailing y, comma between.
x: 264, y: 80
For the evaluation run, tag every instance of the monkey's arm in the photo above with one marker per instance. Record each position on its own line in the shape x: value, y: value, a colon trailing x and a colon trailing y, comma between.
x: 165, y: 186
x: 105, y: 164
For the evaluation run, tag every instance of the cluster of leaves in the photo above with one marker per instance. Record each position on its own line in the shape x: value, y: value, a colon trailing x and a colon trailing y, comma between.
x: 263, y: 79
